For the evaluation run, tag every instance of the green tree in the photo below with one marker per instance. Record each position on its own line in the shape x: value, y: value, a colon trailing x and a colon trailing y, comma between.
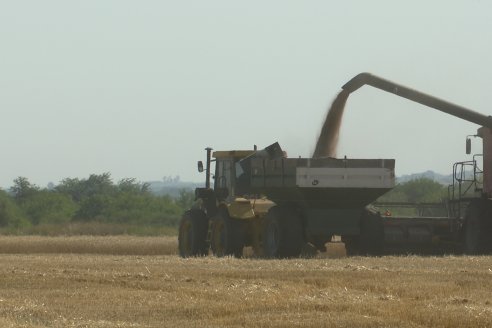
x: 10, y: 213
x: 423, y: 191
x: 96, y: 198
x: 416, y: 191
x: 78, y: 189
x: 94, y: 207
x: 185, y: 199
x: 49, y: 207
x: 130, y: 185
x: 23, y: 189
x: 71, y: 186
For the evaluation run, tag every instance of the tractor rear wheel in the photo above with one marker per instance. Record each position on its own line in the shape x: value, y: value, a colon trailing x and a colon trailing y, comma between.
x: 192, y: 236
x: 283, y: 233
x: 226, y: 238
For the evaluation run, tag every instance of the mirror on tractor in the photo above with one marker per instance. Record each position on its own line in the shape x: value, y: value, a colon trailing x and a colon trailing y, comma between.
x: 468, y: 146
x: 200, y: 166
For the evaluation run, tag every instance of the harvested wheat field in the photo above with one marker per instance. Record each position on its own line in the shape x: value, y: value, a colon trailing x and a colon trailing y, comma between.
x: 71, y: 289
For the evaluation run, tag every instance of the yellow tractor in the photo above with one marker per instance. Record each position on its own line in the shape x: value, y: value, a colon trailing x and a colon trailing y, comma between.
x: 281, y: 206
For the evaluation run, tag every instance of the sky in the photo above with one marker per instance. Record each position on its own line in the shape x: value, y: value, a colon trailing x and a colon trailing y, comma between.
x: 140, y: 88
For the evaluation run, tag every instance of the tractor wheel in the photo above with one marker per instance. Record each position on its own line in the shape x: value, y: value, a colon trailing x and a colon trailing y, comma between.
x: 477, y: 229
x: 192, y: 237
x: 226, y: 238
x: 283, y: 233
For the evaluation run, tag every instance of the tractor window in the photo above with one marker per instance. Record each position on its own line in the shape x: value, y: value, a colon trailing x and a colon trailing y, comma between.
x: 225, y: 175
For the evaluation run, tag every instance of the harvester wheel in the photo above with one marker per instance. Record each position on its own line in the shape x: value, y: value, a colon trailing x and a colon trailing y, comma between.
x: 226, y: 238
x: 192, y: 237
x: 283, y: 234
x: 478, y: 229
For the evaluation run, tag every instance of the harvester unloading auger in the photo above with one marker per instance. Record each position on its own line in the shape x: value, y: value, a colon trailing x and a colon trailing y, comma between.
x: 284, y: 206
x: 461, y: 112
x: 402, y: 91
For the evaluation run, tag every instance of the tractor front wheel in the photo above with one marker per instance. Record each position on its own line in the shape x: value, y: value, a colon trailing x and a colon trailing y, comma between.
x: 226, y: 238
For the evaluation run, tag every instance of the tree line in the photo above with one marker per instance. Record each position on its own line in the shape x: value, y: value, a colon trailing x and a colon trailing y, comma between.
x: 97, y: 199
x: 421, y: 190
x: 417, y: 191
x: 94, y: 199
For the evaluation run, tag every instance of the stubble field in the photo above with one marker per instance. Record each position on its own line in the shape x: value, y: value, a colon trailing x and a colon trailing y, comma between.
x: 141, y: 282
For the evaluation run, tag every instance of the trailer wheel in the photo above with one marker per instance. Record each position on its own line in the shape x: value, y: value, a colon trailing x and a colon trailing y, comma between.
x: 371, y: 239
x: 283, y: 233
x: 192, y: 236
x: 352, y: 247
x: 372, y: 234
x: 226, y: 238
x: 477, y: 230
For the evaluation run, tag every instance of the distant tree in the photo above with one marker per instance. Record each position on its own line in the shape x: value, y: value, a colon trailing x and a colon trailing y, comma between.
x: 10, y: 214
x: 23, y: 189
x: 49, y: 207
x: 73, y: 187
x: 99, y: 184
x: 81, y: 189
x: 421, y: 190
x: 185, y: 199
x: 96, y: 198
x: 94, y: 207
x: 131, y: 185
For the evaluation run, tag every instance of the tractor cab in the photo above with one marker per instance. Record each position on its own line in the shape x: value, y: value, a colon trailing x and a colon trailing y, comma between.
x: 228, y: 172
x: 231, y: 170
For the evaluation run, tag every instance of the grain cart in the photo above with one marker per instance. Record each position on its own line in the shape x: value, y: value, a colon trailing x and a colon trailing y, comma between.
x: 280, y: 206
x: 467, y: 222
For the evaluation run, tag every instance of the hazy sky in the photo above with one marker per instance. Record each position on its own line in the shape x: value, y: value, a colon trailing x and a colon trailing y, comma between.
x: 140, y: 88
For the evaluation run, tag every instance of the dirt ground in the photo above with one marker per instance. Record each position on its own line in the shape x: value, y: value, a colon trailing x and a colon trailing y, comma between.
x: 110, y: 282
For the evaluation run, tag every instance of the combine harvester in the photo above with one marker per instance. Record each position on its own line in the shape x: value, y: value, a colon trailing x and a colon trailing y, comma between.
x: 467, y: 225
x: 283, y: 206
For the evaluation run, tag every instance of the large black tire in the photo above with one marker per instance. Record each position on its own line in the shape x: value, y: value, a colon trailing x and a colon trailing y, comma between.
x: 477, y: 236
x: 352, y: 245
x: 372, y: 234
x: 283, y: 235
x: 192, y: 236
x: 370, y: 242
x: 227, y: 236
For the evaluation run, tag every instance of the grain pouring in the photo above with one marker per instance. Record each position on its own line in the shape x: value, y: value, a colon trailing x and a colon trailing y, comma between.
x: 327, y: 143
